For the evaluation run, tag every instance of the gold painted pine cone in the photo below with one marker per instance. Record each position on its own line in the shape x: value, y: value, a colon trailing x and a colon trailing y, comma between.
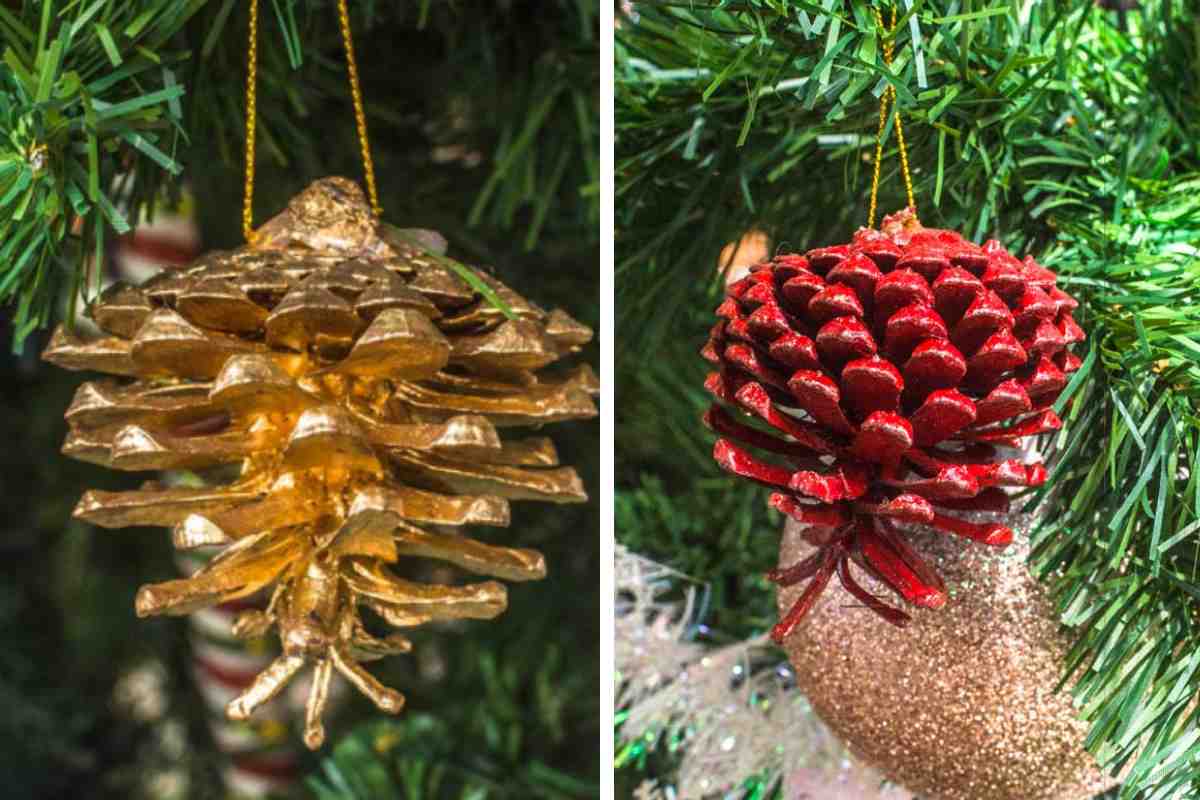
x: 361, y: 386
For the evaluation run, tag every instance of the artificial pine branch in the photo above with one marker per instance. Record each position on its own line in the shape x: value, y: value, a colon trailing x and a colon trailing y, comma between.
x: 1051, y: 126
x: 70, y: 105
x: 1120, y: 547
x: 151, y: 90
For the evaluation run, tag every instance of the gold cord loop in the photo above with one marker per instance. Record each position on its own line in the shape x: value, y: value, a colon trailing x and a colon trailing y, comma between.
x: 883, y: 104
x: 360, y: 117
x: 889, y: 95
x: 251, y: 123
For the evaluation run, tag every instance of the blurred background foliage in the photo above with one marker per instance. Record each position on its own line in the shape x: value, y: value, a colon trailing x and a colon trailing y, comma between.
x: 484, y: 125
x: 1065, y: 128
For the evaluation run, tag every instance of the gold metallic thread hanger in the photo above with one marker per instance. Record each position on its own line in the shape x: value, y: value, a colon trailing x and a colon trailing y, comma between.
x: 888, y: 37
x: 360, y: 117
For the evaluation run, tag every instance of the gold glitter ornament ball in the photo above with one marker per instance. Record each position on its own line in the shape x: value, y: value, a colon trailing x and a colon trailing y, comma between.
x: 366, y: 396
x: 959, y: 705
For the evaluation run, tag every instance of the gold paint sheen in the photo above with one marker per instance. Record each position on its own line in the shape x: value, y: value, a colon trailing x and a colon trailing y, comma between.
x: 360, y: 389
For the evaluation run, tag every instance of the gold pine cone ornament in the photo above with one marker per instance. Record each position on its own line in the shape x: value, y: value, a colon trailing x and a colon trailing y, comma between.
x: 362, y: 387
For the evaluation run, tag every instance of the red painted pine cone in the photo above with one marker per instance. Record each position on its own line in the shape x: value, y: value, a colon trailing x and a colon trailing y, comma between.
x: 882, y: 375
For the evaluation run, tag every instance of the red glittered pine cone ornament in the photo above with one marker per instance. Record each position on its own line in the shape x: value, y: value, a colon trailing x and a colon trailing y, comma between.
x: 880, y: 377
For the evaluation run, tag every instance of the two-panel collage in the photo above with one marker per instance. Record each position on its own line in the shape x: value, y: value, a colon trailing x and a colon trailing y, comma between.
x: 580, y: 400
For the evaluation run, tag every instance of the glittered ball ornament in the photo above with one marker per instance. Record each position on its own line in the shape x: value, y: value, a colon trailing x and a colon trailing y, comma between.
x: 365, y: 395
x: 961, y: 703
x: 875, y: 384
x: 883, y: 389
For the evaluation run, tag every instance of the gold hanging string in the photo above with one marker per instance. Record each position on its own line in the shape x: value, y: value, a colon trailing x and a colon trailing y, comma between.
x: 883, y: 104
x: 251, y: 123
x: 889, y: 95
x: 360, y: 117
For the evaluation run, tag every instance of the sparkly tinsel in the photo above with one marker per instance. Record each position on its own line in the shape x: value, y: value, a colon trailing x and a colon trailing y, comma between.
x: 731, y: 712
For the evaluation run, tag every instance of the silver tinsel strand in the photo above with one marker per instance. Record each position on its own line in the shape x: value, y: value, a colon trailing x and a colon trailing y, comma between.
x: 730, y: 712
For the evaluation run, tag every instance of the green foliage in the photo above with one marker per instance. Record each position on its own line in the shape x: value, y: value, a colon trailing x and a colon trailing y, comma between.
x: 106, y: 105
x: 70, y: 103
x: 423, y: 756
x: 1060, y: 128
x: 1122, y: 553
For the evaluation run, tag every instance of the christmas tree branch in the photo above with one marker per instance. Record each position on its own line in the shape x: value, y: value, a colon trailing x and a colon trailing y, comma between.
x: 766, y: 116
x: 106, y: 105
x: 69, y: 103
x: 1120, y: 548
x: 1062, y: 129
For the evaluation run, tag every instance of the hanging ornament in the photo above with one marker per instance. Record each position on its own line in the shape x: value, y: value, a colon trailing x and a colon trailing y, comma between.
x: 358, y: 379
x: 913, y: 354
x: 360, y: 385
x: 884, y: 374
x: 890, y: 381
x: 961, y: 704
